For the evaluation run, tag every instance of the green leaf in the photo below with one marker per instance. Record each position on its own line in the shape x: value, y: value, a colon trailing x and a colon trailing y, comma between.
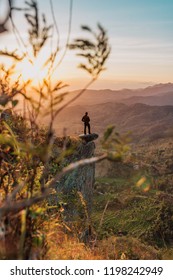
x: 108, y: 132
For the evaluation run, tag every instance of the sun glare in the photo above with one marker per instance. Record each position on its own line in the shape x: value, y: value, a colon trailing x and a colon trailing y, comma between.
x: 33, y: 71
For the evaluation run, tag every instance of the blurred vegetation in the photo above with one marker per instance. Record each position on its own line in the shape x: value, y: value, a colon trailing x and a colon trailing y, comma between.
x: 32, y: 157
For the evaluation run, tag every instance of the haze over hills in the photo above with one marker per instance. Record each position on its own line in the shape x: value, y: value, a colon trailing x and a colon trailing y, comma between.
x: 91, y: 97
x: 143, y: 121
x: 146, y: 113
x: 159, y: 100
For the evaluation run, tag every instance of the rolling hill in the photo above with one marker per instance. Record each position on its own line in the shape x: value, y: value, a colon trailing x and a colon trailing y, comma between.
x: 92, y: 97
x: 146, y: 113
x: 143, y: 121
x: 159, y: 100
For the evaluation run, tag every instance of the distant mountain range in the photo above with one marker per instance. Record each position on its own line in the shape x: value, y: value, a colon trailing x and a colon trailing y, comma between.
x: 147, y: 113
x: 91, y: 97
x: 159, y: 100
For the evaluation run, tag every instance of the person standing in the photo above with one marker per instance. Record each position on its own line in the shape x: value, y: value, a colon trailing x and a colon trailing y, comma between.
x: 86, y: 121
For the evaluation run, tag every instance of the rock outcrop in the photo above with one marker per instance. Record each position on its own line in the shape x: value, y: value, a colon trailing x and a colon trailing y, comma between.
x: 88, y: 137
x: 81, y: 179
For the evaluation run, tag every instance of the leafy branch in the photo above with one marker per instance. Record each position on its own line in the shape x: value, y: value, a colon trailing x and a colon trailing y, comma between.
x: 37, y: 35
x: 95, y: 51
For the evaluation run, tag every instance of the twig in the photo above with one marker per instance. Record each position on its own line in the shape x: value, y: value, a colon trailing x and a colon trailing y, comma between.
x: 55, y: 23
x: 102, y: 217
x: 17, y: 189
x: 16, y: 207
x: 46, y: 166
x: 80, y: 163
x: 18, y: 37
x: 101, y: 222
x: 12, y: 54
x: 68, y: 37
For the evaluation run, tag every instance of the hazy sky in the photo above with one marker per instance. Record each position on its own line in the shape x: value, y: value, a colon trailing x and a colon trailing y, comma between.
x: 140, y: 32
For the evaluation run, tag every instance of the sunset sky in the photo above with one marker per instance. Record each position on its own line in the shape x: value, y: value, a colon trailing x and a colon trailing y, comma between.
x: 140, y: 32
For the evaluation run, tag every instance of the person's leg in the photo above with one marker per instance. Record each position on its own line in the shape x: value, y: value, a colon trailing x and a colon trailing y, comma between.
x: 84, y: 128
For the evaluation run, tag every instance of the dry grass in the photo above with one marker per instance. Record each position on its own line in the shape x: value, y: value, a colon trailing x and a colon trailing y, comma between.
x: 64, y: 245
x: 126, y: 248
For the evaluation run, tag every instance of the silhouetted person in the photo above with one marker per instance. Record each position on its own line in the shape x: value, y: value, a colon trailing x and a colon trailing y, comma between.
x: 86, y: 121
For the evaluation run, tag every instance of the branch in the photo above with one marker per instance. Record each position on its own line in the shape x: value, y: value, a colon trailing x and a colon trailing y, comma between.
x: 95, y: 52
x: 12, y: 54
x: 55, y: 23
x: 68, y: 37
x: 17, y: 207
x: 12, y: 208
x: 78, y: 164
